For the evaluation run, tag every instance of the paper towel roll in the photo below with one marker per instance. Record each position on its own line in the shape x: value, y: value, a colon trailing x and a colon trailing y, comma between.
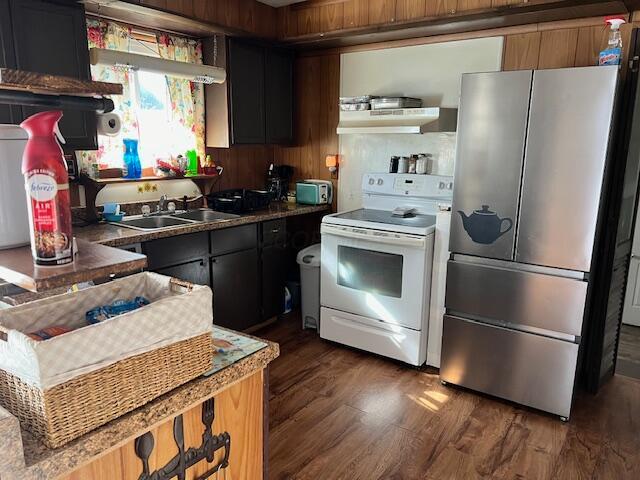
x: 109, y: 124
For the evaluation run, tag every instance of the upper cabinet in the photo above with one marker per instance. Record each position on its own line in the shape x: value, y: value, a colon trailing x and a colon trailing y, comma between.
x: 255, y: 104
x: 8, y: 114
x: 278, y: 86
x: 246, y: 77
x: 48, y: 37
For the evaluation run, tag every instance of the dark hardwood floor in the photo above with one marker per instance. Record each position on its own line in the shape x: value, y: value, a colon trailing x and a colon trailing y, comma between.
x: 629, y: 351
x: 337, y: 413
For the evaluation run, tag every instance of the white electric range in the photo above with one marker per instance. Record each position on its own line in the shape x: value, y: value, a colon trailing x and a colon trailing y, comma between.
x: 377, y: 267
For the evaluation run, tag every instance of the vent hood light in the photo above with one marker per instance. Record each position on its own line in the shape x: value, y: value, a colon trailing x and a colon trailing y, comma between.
x: 196, y: 73
x: 406, y: 120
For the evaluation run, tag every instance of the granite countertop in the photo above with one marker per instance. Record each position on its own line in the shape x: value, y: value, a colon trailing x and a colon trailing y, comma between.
x: 24, y: 457
x: 116, y: 236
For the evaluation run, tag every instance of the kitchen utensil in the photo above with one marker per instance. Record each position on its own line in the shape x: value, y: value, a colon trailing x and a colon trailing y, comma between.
x: 360, y: 99
x: 384, y: 103
x: 239, y: 200
x: 354, y: 107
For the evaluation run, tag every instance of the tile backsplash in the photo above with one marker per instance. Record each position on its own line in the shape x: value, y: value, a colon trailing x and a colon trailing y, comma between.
x: 362, y: 154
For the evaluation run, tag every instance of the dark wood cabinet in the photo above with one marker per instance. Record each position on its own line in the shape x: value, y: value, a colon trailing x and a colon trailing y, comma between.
x: 278, y: 87
x: 49, y: 37
x: 246, y: 88
x: 273, y: 262
x: 195, y: 272
x: 255, y: 104
x: 274, y: 259
x: 235, y: 284
x: 171, y: 251
x: 244, y: 265
x: 8, y: 114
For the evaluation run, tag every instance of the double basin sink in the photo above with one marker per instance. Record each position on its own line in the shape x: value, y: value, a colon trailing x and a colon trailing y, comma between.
x: 158, y: 222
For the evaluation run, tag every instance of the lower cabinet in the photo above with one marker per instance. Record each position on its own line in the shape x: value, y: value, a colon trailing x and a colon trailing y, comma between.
x: 244, y: 265
x: 195, y: 272
x: 238, y: 416
x: 236, y: 294
x: 274, y: 259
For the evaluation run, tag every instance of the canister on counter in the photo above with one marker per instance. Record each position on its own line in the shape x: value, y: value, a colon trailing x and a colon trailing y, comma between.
x: 403, y: 165
x: 393, y: 164
x: 413, y: 160
x: 422, y: 164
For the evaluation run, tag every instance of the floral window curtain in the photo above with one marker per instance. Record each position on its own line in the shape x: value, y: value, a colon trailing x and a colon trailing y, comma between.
x: 187, y: 98
x: 165, y: 114
x: 112, y: 36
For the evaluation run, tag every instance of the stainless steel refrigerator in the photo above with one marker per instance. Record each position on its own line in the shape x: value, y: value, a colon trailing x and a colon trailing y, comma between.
x: 531, y: 155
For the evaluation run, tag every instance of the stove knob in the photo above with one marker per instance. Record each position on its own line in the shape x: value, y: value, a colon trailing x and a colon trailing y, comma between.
x: 380, y: 181
x: 450, y: 186
x: 442, y: 185
x: 371, y: 181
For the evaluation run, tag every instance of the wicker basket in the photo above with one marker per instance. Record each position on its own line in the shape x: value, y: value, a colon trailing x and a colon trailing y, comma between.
x: 68, y: 411
x: 63, y: 412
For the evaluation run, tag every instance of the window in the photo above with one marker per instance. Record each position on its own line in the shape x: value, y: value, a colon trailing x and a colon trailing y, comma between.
x: 165, y: 114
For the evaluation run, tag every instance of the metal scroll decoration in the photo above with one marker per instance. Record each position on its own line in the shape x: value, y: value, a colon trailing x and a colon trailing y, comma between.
x: 178, y: 465
x: 484, y: 226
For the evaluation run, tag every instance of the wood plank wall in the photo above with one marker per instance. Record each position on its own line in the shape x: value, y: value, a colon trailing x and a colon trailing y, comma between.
x: 322, y: 16
x: 248, y: 15
x: 316, y: 117
x: 244, y: 166
x: 549, y: 45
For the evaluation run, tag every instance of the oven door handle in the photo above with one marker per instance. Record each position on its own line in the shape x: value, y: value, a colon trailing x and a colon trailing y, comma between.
x: 413, y: 241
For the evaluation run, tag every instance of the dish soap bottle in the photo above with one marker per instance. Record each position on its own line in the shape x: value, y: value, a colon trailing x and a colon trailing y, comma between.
x: 131, y: 159
x: 47, y: 188
x: 612, y: 55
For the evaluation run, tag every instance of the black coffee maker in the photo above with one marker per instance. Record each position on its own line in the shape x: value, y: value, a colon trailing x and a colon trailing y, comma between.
x: 278, y: 178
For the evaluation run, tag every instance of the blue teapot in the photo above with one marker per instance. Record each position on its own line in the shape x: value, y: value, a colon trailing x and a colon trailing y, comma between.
x: 484, y: 226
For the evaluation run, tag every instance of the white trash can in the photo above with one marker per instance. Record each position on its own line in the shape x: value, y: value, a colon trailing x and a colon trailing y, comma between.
x: 309, y: 261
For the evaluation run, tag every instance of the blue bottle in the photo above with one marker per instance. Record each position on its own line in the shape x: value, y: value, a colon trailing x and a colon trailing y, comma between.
x: 612, y: 55
x: 132, y: 163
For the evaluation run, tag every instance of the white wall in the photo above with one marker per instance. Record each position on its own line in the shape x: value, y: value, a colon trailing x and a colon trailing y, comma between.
x: 430, y: 72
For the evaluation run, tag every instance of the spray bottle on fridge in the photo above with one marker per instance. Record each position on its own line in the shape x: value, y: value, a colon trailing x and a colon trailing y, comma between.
x: 612, y: 55
x: 47, y: 187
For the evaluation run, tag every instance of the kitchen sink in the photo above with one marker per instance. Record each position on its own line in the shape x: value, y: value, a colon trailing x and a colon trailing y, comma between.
x: 153, y: 222
x: 205, y: 215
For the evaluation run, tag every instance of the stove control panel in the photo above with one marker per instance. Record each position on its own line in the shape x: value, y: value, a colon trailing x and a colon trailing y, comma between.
x: 410, y: 185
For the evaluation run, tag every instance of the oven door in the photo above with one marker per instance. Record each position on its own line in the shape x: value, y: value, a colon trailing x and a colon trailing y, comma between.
x: 376, y: 274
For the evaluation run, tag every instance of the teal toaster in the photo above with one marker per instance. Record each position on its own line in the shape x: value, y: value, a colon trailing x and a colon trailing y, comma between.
x: 314, y: 192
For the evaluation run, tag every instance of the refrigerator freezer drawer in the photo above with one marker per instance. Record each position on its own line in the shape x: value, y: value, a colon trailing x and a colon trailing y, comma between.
x: 528, y: 369
x: 518, y: 298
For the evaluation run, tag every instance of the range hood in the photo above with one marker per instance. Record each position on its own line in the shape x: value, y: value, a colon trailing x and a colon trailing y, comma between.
x: 405, y: 120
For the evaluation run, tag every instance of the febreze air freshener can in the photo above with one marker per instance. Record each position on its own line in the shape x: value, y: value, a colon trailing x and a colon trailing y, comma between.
x: 47, y: 188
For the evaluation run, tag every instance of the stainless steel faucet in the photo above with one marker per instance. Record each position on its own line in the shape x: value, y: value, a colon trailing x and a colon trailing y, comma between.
x: 162, y: 203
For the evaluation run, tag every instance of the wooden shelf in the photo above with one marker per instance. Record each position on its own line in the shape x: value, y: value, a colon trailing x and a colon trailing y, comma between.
x: 107, y: 181
x: 40, y: 83
x: 93, y: 261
